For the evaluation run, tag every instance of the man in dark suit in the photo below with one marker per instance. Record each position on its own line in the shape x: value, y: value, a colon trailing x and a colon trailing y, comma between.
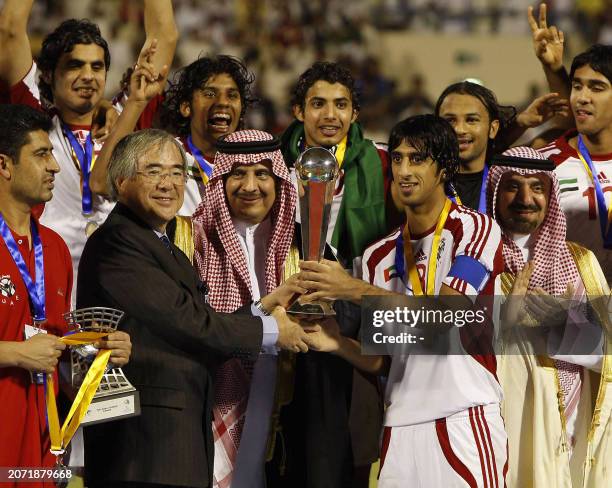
x: 130, y: 264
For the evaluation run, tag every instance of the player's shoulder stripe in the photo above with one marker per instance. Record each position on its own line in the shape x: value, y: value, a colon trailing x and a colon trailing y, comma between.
x: 479, y: 227
x: 377, y: 251
x: 377, y: 256
x: 559, y: 150
x: 551, y: 146
x: 467, y: 214
x: 391, y: 237
x: 548, y: 146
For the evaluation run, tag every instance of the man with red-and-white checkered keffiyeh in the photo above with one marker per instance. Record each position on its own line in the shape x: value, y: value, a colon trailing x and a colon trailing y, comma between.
x: 546, y: 377
x: 243, y: 233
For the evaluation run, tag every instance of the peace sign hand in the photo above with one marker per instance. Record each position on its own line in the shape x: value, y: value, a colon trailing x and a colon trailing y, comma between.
x: 547, y: 40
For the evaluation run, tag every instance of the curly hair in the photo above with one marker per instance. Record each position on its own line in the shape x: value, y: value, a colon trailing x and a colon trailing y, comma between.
x: 62, y: 40
x: 323, y: 71
x: 194, y: 76
x: 433, y: 136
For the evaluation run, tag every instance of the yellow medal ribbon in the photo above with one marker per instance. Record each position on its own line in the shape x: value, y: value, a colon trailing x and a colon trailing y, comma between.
x: 413, y: 274
x: 341, y: 151
x: 203, y: 175
x: 590, y: 173
x: 76, y: 162
x: 457, y: 199
x: 60, y: 438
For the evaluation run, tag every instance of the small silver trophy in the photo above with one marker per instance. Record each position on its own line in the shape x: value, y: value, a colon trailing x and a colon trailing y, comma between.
x: 316, y: 170
x: 116, y: 397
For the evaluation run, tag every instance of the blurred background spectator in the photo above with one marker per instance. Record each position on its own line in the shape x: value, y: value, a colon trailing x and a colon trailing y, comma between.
x: 402, y: 52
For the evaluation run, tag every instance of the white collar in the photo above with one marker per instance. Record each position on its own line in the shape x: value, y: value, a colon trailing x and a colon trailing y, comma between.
x: 160, y: 234
x: 523, y: 241
x: 243, y: 227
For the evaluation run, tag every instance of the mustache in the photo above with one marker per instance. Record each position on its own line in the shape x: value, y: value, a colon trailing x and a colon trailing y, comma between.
x: 520, y: 207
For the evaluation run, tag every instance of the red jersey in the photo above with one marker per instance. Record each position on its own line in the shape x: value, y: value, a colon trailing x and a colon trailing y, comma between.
x: 23, y: 423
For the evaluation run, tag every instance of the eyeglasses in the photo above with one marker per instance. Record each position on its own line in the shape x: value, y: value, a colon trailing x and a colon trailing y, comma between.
x: 177, y: 177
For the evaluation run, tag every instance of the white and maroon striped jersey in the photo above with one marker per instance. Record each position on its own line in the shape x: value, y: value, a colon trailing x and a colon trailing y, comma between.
x: 578, y: 199
x: 423, y: 388
x: 63, y: 213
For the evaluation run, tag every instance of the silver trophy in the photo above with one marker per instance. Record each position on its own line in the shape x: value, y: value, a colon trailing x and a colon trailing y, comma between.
x: 316, y: 170
x: 116, y: 397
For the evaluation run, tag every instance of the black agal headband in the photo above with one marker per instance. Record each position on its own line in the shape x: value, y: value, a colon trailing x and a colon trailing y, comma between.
x: 250, y: 147
x: 522, y: 163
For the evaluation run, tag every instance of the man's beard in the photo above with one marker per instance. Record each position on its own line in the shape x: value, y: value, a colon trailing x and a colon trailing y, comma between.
x: 522, y: 226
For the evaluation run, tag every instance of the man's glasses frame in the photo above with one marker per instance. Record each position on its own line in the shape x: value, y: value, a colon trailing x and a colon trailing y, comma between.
x: 176, y: 176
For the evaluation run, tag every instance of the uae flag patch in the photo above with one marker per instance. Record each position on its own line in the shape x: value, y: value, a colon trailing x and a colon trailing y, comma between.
x: 390, y: 273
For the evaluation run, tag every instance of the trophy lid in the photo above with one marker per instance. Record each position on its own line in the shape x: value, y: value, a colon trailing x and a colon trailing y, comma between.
x: 317, y: 164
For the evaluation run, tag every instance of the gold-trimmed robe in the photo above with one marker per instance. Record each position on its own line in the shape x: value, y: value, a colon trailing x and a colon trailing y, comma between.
x: 533, y: 412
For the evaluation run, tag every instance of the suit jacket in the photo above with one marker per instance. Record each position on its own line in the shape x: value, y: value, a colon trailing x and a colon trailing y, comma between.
x: 177, y: 341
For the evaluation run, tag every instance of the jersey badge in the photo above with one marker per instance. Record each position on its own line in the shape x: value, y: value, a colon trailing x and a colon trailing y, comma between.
x: 7, y: 287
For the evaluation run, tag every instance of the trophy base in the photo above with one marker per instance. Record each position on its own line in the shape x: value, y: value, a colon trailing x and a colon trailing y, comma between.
x: 312, y: 309
x: 116, y: 406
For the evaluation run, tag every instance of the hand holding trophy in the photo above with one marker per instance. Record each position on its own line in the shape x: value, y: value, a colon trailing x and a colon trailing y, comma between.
x: 316, y: 170
x: 103, y: 393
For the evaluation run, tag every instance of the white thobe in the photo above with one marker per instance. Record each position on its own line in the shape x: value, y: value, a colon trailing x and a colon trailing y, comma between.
x: 249, y: 470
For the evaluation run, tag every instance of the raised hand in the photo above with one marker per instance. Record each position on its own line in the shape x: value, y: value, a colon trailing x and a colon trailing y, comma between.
x: 40, y: 353
x: 145, y: 82
x: 543, y: 109
x: 547, y: 40
x: 547, y: 309
x: 514, y: 311
x: 104, y: 118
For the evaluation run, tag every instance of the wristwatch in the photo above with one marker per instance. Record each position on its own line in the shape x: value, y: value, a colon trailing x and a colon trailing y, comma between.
x: 259, y: 306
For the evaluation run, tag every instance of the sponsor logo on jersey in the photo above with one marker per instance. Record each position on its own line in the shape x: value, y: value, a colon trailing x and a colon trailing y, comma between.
x: 601, y: 176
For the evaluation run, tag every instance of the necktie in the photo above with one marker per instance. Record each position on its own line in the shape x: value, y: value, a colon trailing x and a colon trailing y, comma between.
x: 166, y: 242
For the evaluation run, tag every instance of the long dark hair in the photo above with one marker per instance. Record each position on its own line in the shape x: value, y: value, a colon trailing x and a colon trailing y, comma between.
x: 505, y: 114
